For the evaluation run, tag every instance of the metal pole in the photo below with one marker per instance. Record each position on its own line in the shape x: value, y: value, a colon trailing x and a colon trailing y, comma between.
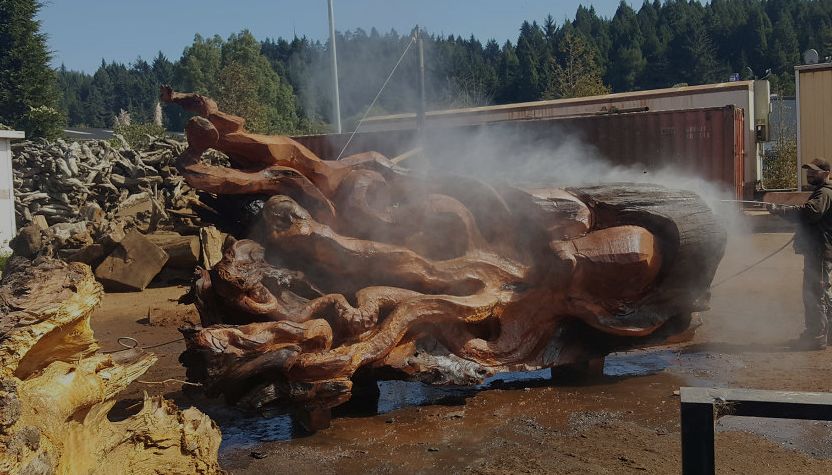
x: 697, y: 439
x: 336, y: 96
x: 420, y: 121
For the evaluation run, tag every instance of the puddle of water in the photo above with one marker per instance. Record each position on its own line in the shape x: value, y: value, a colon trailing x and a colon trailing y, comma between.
x: 246, y: 432
x: 638, y: 363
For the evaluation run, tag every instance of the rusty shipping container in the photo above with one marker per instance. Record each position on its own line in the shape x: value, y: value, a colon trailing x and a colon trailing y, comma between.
x: 751, y: 96
x: 707, y: 143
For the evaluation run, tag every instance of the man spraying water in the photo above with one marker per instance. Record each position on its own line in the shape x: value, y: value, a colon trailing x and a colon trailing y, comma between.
x: 813, y: 239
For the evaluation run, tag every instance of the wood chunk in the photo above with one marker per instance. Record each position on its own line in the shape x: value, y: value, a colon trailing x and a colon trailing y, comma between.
x: 131, y: 266
x: 28, y: 242
x: 92, y: 213
x: 135, y: 204
x: 91, y: 255
x: 211, y: 241
x: 39, y: 221
x: 56, y: 391
x: 111, y: 239
x: 183, y: 251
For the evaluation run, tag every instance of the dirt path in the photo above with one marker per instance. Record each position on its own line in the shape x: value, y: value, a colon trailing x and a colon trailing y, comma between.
x: 625, y: 422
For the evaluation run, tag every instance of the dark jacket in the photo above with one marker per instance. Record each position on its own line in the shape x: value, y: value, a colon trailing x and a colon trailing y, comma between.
x: 814, y: 220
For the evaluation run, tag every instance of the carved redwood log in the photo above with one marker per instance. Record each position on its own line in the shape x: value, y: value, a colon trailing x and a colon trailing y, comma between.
x: 360, y: 266
x: 56, y: 391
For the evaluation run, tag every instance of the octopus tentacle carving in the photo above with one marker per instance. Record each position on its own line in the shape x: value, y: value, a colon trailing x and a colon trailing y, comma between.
x: 359, y: 264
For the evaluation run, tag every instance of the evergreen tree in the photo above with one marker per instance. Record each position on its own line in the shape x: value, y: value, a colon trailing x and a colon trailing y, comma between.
x: 757, y: 33
x: 71, y: 85
x: 507, y: 74
x: 28, y: 86
x: 530, y: 80
x: 654, y: 46
x: 703, y: 67
x: 784, y: 52
x: 626, y: 61
x: 101, y: 99
x: 595, y: 33
x: 576, y: 74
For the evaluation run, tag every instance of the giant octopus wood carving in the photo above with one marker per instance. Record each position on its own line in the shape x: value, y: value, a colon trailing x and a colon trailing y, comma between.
x: 358, y: 268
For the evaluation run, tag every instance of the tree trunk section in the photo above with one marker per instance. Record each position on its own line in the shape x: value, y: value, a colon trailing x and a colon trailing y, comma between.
x: 56, y: 391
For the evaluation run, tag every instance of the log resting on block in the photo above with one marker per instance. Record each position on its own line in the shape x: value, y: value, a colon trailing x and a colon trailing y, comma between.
x: 361, y: 267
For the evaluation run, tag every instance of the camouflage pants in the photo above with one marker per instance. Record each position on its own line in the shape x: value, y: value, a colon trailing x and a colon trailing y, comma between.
x: 817, y: 294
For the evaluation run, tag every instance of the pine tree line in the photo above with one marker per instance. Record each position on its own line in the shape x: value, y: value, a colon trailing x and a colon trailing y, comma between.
x: 284, y: 85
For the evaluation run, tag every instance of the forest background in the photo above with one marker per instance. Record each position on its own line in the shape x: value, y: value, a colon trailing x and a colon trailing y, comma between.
x: 283, y: 85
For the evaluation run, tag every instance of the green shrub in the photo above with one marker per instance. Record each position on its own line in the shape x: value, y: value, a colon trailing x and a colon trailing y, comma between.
x: 140, y: 135
x: 780, y: 164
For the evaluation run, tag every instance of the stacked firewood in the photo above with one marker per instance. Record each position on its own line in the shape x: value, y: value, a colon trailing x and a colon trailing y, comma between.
x: 104, y: 202
x: 99, y: 182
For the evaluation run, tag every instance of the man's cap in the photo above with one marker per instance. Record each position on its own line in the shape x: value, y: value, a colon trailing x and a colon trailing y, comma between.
x: 818, y: 164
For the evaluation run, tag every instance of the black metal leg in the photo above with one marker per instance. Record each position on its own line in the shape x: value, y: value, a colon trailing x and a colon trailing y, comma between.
x: 698, y: 439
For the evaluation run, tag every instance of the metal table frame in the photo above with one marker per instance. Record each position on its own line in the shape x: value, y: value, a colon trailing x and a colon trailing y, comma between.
x: 701, y: 407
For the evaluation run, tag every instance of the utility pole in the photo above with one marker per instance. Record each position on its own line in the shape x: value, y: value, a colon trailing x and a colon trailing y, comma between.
x: 336, y: 96
x: 420, y: 119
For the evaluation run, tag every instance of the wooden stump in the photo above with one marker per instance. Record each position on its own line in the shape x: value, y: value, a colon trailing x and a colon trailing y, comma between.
x: 56, y: 391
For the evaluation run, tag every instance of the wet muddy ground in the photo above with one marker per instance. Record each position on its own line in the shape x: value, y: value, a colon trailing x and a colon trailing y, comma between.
x: 626, y: 421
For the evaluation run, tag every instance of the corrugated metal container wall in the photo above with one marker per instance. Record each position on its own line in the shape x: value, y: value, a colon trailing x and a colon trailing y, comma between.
x: 707, y: 143
x: 739, y: 94
x: 815, y: 112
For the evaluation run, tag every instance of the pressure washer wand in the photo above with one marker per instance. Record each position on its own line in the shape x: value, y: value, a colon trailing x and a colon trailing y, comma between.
x: 748, y: 201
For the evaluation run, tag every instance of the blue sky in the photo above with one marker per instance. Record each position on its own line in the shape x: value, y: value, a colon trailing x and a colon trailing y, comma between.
x: 82, y: 32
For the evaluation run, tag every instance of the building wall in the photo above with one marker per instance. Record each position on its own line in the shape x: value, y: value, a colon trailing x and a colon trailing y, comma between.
x: 814, y: 96
x: 8, y: 228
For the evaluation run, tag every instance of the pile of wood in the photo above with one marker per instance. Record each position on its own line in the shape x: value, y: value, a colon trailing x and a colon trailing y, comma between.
x: 126, y: 260
x: 56, y: 389
x: 126, y: 212
x: 98, y: 182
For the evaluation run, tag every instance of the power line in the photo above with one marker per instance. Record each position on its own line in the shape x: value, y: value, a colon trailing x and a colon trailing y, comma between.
x: 412, y: 40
